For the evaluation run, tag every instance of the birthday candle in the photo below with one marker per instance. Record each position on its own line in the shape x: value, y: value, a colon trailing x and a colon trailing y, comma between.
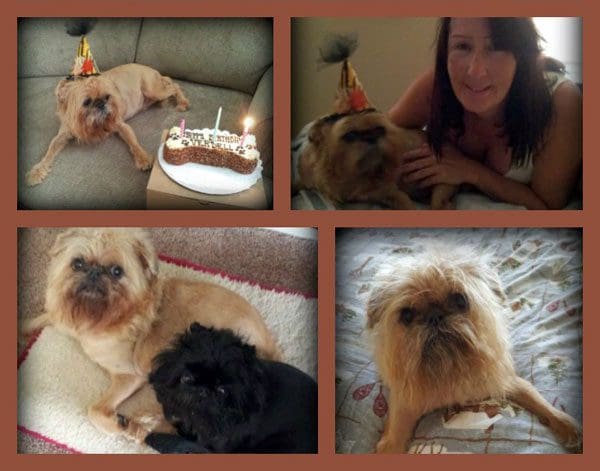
x: 182, y: 128
x: 248, y: 122
x: 217, y: 124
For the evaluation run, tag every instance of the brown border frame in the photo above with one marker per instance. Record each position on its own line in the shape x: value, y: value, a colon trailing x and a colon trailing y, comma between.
x: 282, y: 10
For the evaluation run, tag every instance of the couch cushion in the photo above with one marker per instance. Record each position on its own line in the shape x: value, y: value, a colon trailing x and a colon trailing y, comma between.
x: 224, y: 52
x: 102, y: 175
x: 46, y: 49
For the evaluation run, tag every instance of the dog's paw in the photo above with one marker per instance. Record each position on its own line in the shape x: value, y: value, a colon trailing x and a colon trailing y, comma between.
x: 183, y: 105
x: 443, y: 205
x: 37, y: 174
x: 143, y: 161
x: 568, y: 432
x: 105, y: 421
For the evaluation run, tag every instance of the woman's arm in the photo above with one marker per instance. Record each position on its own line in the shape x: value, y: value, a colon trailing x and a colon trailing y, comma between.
x: 556, y: 168
x: 454, y: 168
x: 413, y: 107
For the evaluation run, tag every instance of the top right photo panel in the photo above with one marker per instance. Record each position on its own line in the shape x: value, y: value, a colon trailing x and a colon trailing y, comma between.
x: 437, y: 113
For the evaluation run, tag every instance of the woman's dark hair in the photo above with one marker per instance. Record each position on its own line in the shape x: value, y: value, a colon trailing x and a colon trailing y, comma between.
x: 528, y: 107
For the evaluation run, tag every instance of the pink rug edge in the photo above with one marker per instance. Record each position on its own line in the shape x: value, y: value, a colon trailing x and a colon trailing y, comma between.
x: 213, y: 271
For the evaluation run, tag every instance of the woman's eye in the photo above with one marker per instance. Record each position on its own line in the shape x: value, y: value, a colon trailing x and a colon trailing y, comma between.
x: 461, y: 46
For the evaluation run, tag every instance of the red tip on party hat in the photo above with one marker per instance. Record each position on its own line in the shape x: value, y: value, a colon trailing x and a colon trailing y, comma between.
x: 351, y: 96
x: 85, y: 64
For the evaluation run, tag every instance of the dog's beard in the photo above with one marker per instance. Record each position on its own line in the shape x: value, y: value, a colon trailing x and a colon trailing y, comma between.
x: 97, y: 123
x: 447, y: 348
x: 88, y: 301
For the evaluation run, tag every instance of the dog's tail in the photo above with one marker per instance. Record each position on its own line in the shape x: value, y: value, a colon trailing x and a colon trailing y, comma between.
x: 80, y: 26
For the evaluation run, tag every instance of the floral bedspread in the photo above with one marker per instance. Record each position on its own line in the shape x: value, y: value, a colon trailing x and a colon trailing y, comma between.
x: 541, y: 270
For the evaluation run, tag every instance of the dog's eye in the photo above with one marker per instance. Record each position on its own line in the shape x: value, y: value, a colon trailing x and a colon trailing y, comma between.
x: 187, y: 378
x: 106, y: 97
x: 116, y: 271
x: 87, y: 102
x: 350, y: 136
x: 457, y: 302
x: 407, y: 315
x: 77, y: 264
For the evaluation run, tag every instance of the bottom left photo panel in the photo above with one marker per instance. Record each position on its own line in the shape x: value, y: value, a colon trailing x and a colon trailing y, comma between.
x: 167, y: 340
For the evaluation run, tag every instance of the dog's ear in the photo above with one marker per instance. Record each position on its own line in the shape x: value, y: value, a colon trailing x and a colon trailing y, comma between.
x: 144, y: 249
x: 315, y: 134
x: 62, y: 90
x: 375, y: 306
x: 483, y: 270
x: 248, y: 353
x: 62, y: 241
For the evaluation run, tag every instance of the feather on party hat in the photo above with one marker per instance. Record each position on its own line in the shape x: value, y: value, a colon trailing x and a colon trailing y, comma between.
x: 351, y: 96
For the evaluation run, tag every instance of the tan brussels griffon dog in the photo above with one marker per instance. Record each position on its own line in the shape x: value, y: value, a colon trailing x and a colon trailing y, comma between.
x: 440, y: 339
x: 92, y: 108
x: 104, y: 290
x: 355, y: 156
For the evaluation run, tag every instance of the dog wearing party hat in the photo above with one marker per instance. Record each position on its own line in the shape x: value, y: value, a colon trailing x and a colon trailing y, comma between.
x: 92, y: 105
x: 353, y: 154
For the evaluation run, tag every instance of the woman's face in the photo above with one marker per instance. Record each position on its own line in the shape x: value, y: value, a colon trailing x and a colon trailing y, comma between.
x: 480, y: 75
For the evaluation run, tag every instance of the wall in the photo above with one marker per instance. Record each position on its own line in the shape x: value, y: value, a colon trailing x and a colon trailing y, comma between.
x: 392, y: 52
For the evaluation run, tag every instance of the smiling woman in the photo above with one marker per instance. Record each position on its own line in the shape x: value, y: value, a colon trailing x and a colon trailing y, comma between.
x: 500, y: 116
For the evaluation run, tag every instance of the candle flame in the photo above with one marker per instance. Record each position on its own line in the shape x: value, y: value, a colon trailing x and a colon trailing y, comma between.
x: 248, y: 123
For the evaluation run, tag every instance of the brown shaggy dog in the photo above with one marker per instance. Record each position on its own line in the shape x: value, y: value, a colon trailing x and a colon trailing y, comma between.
x: 104, y: 290
x: 440, y: 339
x: 354, y: 157
x: 92, y: 108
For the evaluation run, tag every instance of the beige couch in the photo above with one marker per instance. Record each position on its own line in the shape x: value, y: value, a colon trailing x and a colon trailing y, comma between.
x: 224, y: 62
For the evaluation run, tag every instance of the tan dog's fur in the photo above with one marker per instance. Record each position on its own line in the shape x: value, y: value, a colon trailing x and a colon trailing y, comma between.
x: 125, y: 90
x: 127, y: 321
x: 357, y: 170
x: 464, y: 358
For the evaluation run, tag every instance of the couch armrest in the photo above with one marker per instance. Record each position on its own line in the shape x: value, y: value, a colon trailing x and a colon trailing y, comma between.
x: 261, y: 106
x: 261, y: 110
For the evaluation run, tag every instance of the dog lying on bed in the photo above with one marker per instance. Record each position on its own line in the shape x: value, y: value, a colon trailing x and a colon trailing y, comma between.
x: 354, y: 157
x: 222, y: 398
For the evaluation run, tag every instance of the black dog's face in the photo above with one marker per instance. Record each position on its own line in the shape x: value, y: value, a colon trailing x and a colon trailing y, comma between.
x: 209, y: 382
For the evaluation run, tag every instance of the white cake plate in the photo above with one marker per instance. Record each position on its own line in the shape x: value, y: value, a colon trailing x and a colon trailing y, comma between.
x: 208, y: 179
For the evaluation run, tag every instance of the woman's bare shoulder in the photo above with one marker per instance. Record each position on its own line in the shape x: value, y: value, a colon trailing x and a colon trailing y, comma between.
x: 413, y: 107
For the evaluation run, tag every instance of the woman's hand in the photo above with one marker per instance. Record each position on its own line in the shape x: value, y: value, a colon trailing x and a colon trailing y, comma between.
x: 422, y: 167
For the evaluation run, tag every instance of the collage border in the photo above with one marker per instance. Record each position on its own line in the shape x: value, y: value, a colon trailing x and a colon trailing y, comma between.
x: 282, y: 215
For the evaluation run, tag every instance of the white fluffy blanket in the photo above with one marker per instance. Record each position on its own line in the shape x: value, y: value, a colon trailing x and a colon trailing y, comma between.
x: 57, y: 382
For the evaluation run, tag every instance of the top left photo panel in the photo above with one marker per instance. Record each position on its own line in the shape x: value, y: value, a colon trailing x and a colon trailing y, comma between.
x: 145, y: 113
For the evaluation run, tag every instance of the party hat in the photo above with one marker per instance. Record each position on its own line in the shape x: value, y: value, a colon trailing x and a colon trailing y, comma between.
x: 351, y: 96
x: 84, y: 61
x: 84, y: 64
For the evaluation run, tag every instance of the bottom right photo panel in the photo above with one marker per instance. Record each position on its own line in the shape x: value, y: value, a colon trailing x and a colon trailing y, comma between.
x: 459, y: 340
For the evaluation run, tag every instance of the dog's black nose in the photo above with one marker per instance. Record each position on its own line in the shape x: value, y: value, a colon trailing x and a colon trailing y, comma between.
x: 100, y: 103
x: 94, y: 273
x: 433, y: 316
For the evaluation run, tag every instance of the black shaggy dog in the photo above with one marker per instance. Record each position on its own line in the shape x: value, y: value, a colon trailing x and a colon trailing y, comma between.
x: 221, y: 398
